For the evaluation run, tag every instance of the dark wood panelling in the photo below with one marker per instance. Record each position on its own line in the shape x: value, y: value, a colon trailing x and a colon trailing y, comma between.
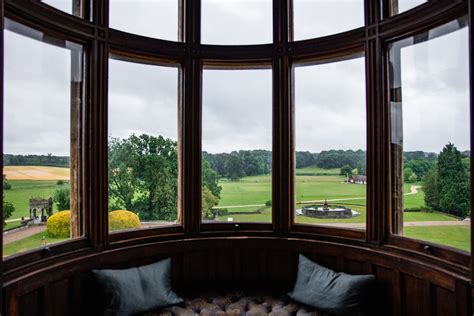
x: 32, y: 304
x: 263, y: 263
x: 413, y: 302
x: 444, y: 302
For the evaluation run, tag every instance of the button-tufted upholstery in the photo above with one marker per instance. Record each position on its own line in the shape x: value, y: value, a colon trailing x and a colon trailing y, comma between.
x: 238, y: 304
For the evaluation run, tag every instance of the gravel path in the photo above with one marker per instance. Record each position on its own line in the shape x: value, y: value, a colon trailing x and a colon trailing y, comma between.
x: 23, y: 233
x: 407, y: 224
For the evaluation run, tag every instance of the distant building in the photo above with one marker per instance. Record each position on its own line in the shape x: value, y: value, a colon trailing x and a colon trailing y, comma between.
x: 356, y: 179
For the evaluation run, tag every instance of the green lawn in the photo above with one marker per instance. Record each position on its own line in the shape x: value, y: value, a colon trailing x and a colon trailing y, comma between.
x: 454, y: 236
x: 315, y: 171
x: 23, y: 190
x: 252, y: 192
x: 34, y: 241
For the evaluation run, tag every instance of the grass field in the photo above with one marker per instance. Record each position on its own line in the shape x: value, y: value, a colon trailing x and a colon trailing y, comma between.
x: 35, y: 173
x: 250, y: 194
x: 454, y: 236
x: 28, y: 243
x: 23, y: 190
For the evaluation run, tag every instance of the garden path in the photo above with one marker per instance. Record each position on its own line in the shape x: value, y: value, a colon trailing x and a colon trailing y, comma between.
x: 406, y: 224
x: 22, y: 233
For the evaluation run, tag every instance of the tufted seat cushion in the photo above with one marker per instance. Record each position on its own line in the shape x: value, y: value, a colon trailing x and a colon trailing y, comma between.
x: 238, y: 304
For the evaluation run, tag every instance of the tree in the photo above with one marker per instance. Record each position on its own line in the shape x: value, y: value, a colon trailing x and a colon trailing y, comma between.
x: 208, y: 201
x: 210, y: 178
x: 346, y: 170
x: 6, y: 185
x: 251, y: 164
x: 305, y: 159
x: 234, y: 168
x: 409, y: 176
x: 430, y: 187
x: 142, y: 176
x: 8, y: 210
x: 453, y: 182
x: 419, y: 167
x: 62, y: 199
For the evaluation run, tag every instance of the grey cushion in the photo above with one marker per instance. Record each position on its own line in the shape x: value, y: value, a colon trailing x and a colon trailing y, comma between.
x: 137, y: 290
x: 329, y: 291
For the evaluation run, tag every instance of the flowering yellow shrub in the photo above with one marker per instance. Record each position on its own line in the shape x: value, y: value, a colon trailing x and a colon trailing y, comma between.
x: 123, y: 219
x: 59, y: 225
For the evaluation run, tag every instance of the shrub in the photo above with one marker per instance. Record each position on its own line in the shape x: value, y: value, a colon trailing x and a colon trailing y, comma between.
x: 220, y: 211
x: 62, y: 199
x: 8, y: 209
x: 123, y: 219
x: 268, y: 203
x: 59, y: 182
x: 59, y: 225
x: 6, y: 185
x: 426, y: 209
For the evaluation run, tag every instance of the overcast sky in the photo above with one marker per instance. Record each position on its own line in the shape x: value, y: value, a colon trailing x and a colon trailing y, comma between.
x: 330, y: 98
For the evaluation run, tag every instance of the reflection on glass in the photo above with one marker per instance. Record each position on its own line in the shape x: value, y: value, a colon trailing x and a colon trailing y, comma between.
x: 430, y: 135
x: 143, y: 146
x: 400, y: 6
x: 237, y: 146
x: 330, y: 129
x: 40, y: 158
x: 151, y: 18
x: 236, y: 22
x: 316, y: 18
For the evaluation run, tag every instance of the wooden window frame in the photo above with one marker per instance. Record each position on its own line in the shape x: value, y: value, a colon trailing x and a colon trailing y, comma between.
x: 99, y: 41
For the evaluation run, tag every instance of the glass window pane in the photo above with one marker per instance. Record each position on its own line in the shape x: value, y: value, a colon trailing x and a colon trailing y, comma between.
x: 236, y: 22
x: 67, y: 6
x: 151, y: 18
x: 330, y: 130
x: 143, y: 146
x: 316, y: 18
x: 431, y: 135
x: 40, y: 177
x: 237, y: 145
x: 401, y: 6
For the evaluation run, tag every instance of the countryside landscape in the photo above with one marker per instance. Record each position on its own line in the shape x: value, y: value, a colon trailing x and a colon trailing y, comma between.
x: 237, y: 187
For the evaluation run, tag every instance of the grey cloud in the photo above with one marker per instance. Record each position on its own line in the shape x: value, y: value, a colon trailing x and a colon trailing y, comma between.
x: 152, y: 18
x: 37, y: 97
x: 315, y: 18
x: 142, y: 99
x: 237, y: 110
x: 236, y: 22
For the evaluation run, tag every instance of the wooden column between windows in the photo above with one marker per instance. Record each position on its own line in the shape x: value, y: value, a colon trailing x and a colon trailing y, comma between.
x: 396, y: 110
x: 191, y: 125
x: 471, y: 107
x: 282, y: 148
x: 1, y: 144
x: 75, y: 154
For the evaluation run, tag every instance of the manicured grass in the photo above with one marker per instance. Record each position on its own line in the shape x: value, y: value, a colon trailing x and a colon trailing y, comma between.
x: 426, y: 217
x: 23, y: 190
x: 317, y: 171
x: 34, y: 241
x: 454, y: 236
x: 257, y: 190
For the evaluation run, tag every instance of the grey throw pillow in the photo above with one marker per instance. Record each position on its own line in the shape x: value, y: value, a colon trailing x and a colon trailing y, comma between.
x: 332, y: 292
x: 137, y: 290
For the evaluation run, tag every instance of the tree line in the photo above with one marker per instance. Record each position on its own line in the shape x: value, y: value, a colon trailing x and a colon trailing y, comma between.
x: 36, y: 160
